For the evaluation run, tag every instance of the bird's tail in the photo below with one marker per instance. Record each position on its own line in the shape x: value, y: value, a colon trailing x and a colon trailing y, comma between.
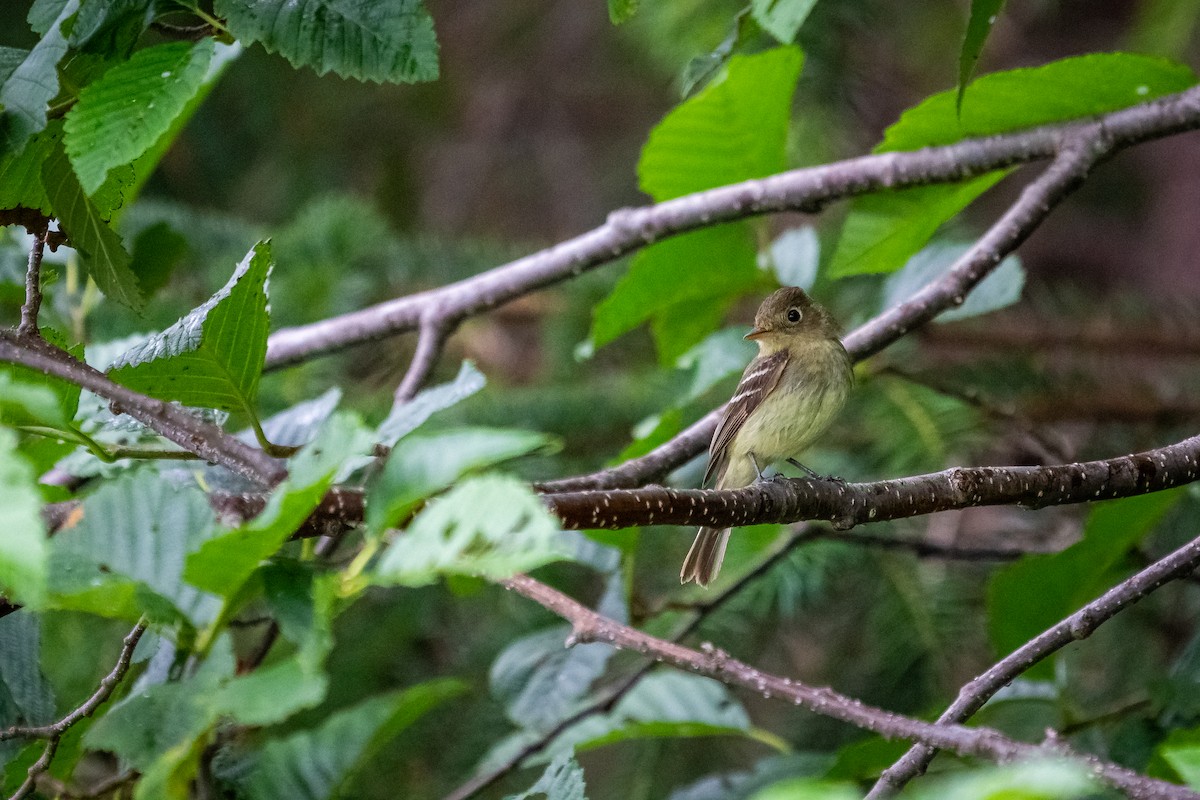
x: 704, y: 559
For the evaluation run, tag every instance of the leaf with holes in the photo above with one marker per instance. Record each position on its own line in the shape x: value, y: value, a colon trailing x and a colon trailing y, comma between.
x: 213, y: 357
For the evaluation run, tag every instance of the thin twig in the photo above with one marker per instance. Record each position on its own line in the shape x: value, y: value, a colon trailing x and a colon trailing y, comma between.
x: 609, y: 697
x: 588, y: 626
x: 174, y: 423
x: 53, y: 732
x: 923, y: 548
x: 1078, y: 626
x: 434, y: 331
x: 807, y: 190
x: 33, y: 286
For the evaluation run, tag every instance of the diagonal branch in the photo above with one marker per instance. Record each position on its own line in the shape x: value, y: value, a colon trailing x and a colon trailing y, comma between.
x: 807, y: 190
x: 205, y: 440
x: 588, y: 626
x: 434, y: 330
x: 1078, y: 626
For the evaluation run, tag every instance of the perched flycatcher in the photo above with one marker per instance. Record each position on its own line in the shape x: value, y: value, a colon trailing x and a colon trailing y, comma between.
x: 786, y: 398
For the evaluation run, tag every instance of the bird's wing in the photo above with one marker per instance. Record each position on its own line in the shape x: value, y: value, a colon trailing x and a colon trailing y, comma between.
x: 760, y: 377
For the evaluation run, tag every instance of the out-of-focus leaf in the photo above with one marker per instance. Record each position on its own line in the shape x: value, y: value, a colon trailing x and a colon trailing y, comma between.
x: 32, y: 84
x: 794, y: 257
x: 1184, y: 759
x: 223, y: 563
x: 407, y: 417
x: 621, y: 10
x: 29, y: 404
x: 1002, y: 287
x: 1034, y: 593
x: 781, y: 18
x: 157, y: 250
x: 539, y: 680
x: 213, y: 357
x: 808, y: 789
x: 88, y: 232
x: 21, y: 173
x: 23, y: 559
x: 720, y: 356
x: 26, y: 697
x: 884, y: 230
x: 1030, y: 780
x: 386, y: 42
x: 422, y: 465
x: 122, y: 553
x: 562, y: 780
x: 120, y: 116
x: 979, y: 25
x: 298, y: 425
x: 115, y: 24
x: 492, y: 526
x: 316, y: 764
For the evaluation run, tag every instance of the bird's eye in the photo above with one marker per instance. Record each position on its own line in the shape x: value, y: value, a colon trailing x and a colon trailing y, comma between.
x: 793, y: 315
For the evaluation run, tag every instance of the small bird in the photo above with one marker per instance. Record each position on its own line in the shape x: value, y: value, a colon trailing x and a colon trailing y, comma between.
x: 786, y: 398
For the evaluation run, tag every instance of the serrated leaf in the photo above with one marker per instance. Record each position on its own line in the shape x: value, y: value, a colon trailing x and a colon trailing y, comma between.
x: 123, y: 552
x: 562, y: 780
x: 318, y: 763
x: 979, y: 25
x: 33, y: 84
x: 420, y: 466
x: 620, y: 11
x: 23, y: 558
x: 540, y: 680
x: 120, y: 116
x: 781, y: 18
x: 354, y: 38
x: 1030, y: 595
x: 224, y: 562
x: 884, y: 230
x: 732, y: 130
x: 1001, y: 288
x: 213, y: 357
x: 492, y: 526
x: 110, y: 25
x: 88, y: 232
x: 407, y: 417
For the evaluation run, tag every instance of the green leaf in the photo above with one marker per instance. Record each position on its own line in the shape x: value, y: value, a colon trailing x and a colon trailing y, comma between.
x: 10, y: 59
x: 781, y: 18
x: 722, y: 355
x: 1001, y: 288
x: 733, y: 130
x: 21, y: 173
x: 391, y: 41
x: 422, y: 465
x: 318, y: 763
x: 1026, y: 597
x: 693, y: 269
x: 88, y: 232
x: 795, y: 256
x: 562, y: 780
x: 492, y: 526
x: 983, y: 17
x: 620, y: 11
x: 224, y: 562
x: 123, y: 553
x: 121, y: 115
x: 23, y: 559
x: 1024, y: 98
x: 1185, y: 760
x: 213, y: 357
x: 157, y: 251
x: 539, y: 680
x: 25, y: 694
x: 884, y: 230
x: 32, y: 85
x: 110, y: 25
x: 31, y: 397
x: 1031, y: 780
x: 405, y: 418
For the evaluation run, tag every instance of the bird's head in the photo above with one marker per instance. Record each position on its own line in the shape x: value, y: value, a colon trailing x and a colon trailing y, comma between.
x: 789, y: 313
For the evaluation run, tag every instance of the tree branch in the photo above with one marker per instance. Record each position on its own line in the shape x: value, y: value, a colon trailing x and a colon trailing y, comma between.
x: 807, y: 190
x: 1079, y: 625
x: 588, y: 626
x: 33, y: 286
x: 205, y: 440
x: 434, y: 330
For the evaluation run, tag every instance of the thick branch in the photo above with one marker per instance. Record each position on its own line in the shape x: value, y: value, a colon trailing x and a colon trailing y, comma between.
x: 205, y: 440
x: 804, y: 189
x: 849, y: 504
x: 1078, y: 626
x: 588, y: 626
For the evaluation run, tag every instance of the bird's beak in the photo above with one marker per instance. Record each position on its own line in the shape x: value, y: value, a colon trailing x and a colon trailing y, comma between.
x: 757, y: 332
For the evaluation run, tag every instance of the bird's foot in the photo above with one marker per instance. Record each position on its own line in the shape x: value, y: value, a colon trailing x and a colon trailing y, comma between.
x: 816, y: 476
